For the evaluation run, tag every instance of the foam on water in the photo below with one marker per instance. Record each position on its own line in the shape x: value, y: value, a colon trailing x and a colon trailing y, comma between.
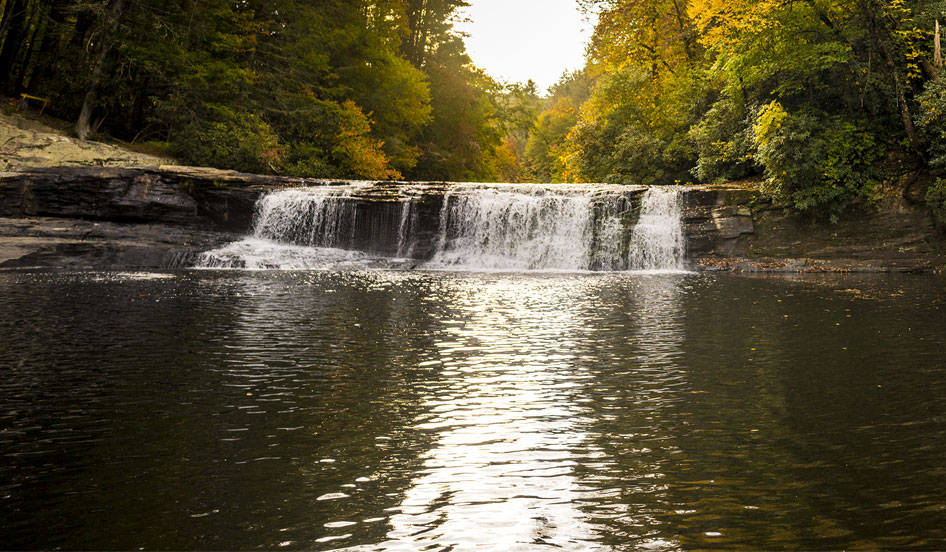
x: 262, y: 254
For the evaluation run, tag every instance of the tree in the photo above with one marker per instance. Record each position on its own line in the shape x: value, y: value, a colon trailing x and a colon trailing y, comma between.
x: 545, y: 149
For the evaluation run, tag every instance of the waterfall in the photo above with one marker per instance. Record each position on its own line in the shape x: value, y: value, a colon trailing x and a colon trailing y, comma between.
x: 308, y: 216
x: 561, y: 227
x: 515, y: 227
x: 297, y: 228
x: 657, y: 241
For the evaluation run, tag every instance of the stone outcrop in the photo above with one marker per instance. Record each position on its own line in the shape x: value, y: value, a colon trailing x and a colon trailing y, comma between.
x: 737, y: 229
x: 28, y: 143
x: 161, y: 217
x: 88, y: 217
x: 89, y: 244
x: 173, y: 195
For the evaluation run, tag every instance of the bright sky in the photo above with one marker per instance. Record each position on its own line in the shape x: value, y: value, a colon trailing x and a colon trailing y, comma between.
x: 518, y: 40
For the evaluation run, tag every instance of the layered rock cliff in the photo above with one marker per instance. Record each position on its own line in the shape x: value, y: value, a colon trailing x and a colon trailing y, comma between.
x: 162, y: 217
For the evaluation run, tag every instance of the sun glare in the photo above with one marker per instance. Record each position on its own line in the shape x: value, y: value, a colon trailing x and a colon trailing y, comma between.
x: 518, y: 40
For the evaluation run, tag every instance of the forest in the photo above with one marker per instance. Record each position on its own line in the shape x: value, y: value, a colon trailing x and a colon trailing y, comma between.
x: 820, y: 99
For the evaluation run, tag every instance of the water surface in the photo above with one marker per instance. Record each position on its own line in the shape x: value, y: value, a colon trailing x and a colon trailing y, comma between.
x: 451, y: 411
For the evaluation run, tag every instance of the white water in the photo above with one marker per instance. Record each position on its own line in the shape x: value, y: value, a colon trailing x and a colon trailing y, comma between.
x: 657, y: 242
x: 308, y: 216
x: 504, y: 227
x: 297, y: 229
x: 515, y: 228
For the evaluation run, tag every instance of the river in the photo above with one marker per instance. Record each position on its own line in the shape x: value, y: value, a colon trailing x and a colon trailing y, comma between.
x: 397, y: 410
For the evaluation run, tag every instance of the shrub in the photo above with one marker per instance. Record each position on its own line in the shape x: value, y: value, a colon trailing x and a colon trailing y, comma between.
x: 930, y: 122
x: 817, y: 163
x: 936, y: 199
x: 723, y: 143
x: 238, y: 141
x: 633, y: 130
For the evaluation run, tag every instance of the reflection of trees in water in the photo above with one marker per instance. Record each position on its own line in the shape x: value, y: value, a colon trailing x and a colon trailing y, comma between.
x: 214, y: 411
x: 792, y: 448
x: 121, y: 401
x: 344, y: 358
x: 637, y: 381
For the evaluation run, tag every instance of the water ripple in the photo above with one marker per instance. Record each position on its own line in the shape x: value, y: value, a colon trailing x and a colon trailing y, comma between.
x: 407, y: 411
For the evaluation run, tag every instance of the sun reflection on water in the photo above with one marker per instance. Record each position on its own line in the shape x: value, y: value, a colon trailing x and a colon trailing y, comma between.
x: 512, y: 420
x: 428, y: 411
x: 507, y: 425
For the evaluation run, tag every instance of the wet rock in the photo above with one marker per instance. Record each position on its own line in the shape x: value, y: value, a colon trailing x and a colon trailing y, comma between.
x: 154, y: 217
x: 86, y: 244
x: 732, y: 222
x: 168, y: 195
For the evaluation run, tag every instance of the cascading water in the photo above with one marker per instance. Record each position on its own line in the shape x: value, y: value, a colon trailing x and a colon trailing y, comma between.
x: 463, y: 227
x: 300, y: 228
x: 657, y: 241
x: 515, y: 227
x: 307, y: 216
x: 522, y: 227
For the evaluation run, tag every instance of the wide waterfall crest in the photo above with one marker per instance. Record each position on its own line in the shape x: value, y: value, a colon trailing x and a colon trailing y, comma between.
x: 506, y: 227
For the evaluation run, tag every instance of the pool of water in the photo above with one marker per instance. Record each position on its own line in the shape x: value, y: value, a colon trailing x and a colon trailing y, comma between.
x: 453, y: 411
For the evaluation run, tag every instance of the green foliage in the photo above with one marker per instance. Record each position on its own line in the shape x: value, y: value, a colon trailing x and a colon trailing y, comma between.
x: 384, y: 88
x: 239, y: 141
x: 931, y: 123
x: 814, y: 162
x: 633, y: 130
x: 930, y: 120
x: 461, y: 140
x: 723, y: 143
x: 936, y: 199
x: 336, y: 88
x: 543, y: 152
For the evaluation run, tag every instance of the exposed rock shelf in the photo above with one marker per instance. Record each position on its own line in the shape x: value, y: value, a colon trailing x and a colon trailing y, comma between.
x: 163, y: 217
x: 737, y: 230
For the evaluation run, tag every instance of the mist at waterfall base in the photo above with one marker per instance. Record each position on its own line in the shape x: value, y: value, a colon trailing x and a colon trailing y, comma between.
x: 504, y: 227
x: 430, y: 410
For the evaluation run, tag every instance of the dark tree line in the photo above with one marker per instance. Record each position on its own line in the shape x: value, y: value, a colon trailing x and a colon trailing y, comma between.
x: 344, y: 88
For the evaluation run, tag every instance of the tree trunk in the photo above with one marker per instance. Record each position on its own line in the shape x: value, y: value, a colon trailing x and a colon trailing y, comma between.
x: 881, y: 36
x: 91, y: 95
x: 51, y: 50
x: 685, y: 34
x: 27, y: 63
x: 937, y: 53
x: 7, y: 8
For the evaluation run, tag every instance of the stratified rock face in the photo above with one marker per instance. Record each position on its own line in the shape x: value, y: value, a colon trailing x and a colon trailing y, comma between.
x: 111, y: 194
x: 114, y: 218
x: 737, y: 229
x: 718, y: 222
x: 173, y: 195
x: 165, y: 216
x: 75, y: 243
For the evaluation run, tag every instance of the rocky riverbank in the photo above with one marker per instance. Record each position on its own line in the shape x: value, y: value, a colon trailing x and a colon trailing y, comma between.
x: 736, y: 229
x: 51, y: 242
x: 123, y: 218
